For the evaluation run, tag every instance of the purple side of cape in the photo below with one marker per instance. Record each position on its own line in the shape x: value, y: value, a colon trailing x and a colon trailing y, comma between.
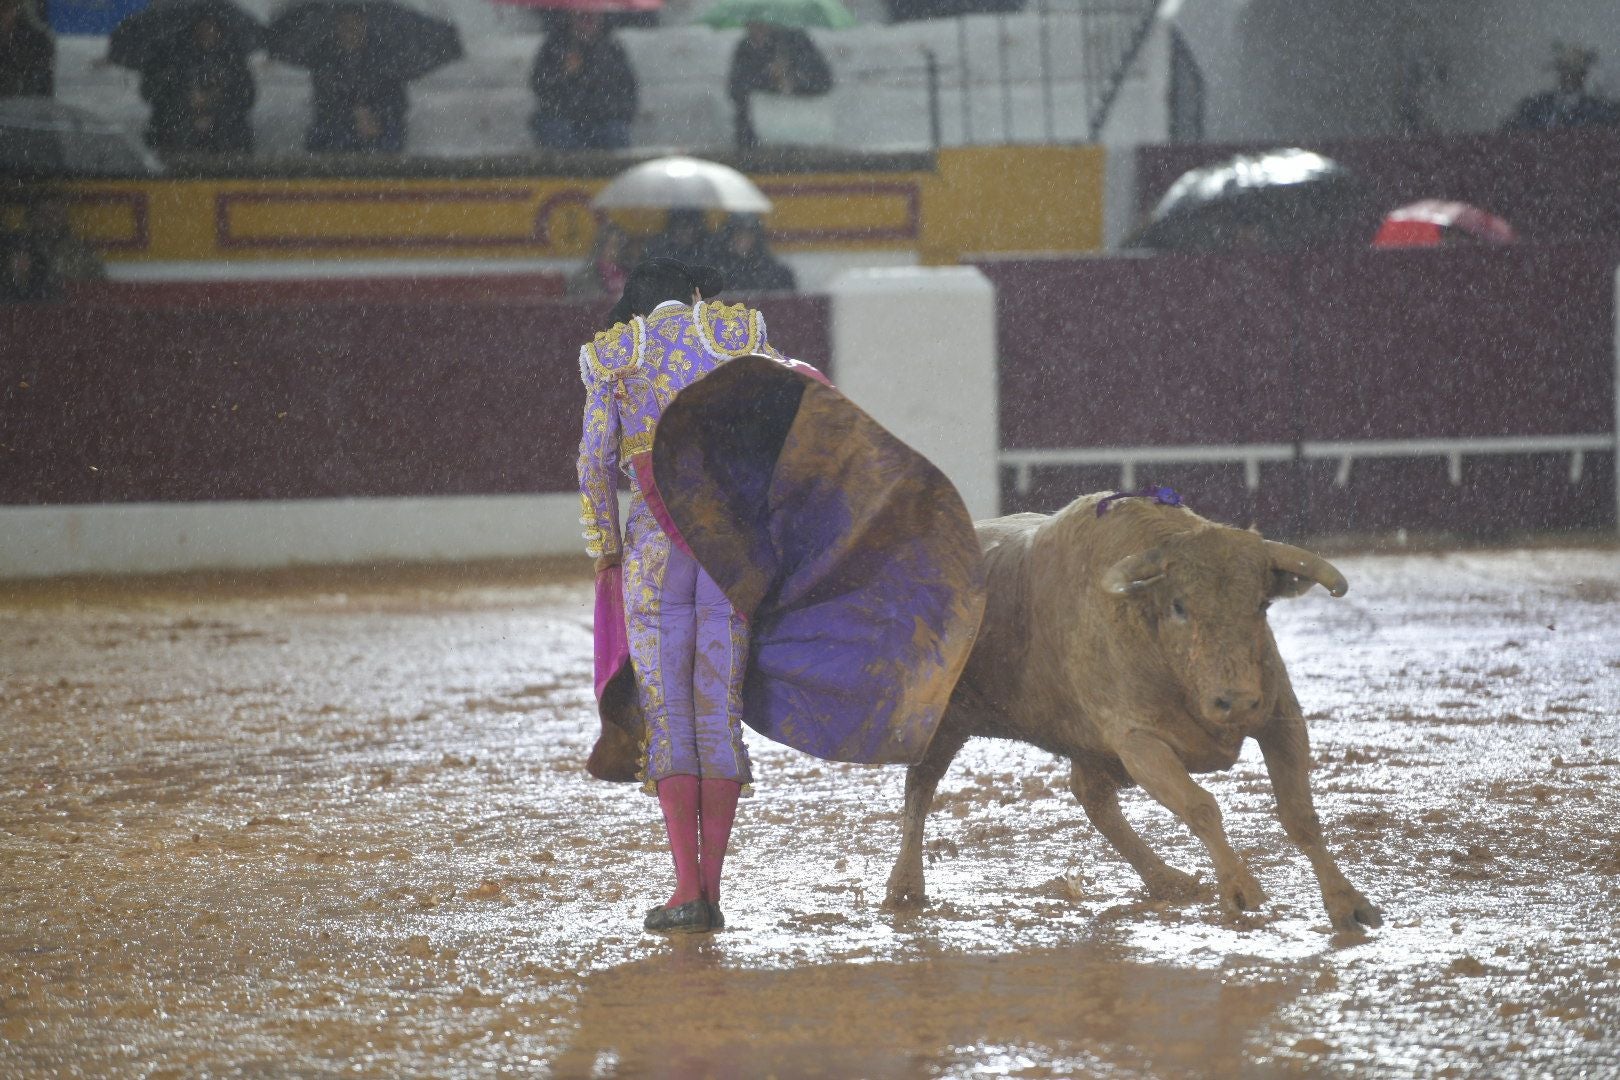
x: 612, y: 636
x: 850, y: 554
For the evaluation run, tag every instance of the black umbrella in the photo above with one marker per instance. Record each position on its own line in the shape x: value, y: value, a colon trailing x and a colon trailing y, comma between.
x: 144, y: 34
x: 1281, y: 198
x: 410, y: 43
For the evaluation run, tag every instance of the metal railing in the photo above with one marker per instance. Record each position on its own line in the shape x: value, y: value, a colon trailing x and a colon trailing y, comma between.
x: 1113, y: 34
x: 1344, y: 452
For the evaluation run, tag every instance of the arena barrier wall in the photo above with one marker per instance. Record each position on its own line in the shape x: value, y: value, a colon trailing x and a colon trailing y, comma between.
x: 1458, y: 390
x: 148, y: 437
x: 1467, y: 391
x: 148, y: 428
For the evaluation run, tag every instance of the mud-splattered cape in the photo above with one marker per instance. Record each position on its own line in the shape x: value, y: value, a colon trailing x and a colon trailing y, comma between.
x: 850, y: 554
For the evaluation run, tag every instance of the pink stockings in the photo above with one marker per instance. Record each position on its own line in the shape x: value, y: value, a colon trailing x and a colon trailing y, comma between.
x: 678, y: 796
x: 719, y: 806
x: 687, y: 801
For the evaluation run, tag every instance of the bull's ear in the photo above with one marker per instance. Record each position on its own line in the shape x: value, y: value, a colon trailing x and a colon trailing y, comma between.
x: 1286, y: 586
x: 1132, y: 574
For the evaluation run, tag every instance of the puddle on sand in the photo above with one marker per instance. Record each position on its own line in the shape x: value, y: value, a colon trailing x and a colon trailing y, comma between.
x: 318, y: 823
x: 689, y: 1013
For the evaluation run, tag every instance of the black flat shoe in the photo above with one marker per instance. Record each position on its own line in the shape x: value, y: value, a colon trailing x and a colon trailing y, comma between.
x: 691, y: 917
x: 717, y: 921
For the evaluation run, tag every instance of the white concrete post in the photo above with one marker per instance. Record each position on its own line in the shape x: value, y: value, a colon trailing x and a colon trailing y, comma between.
x: 916, y: 348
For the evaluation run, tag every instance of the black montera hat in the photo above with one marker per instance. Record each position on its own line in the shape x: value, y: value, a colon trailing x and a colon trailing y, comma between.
x: 655, y: 280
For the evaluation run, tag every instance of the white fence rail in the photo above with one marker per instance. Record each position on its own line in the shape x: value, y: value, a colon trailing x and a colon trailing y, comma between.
x: 1253, y: 455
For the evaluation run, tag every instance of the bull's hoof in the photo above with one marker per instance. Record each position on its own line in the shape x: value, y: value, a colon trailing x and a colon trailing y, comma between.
x: 1171, y: 884
x: 1350, y: 911
x: 904, y: 897
x: 1240, y: 893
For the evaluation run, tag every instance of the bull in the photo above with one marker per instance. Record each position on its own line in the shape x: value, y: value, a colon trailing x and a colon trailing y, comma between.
x: 1134, y: 642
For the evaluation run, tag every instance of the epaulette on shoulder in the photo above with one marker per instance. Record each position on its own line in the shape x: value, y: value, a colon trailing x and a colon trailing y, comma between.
x: 613, y: 351
x: 730, y: 329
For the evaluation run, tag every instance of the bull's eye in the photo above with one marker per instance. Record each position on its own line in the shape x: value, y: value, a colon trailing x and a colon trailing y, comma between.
x: 1178, y: 609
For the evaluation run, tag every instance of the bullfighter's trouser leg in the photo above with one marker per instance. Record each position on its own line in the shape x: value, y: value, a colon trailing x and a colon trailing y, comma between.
x: 690, y: 652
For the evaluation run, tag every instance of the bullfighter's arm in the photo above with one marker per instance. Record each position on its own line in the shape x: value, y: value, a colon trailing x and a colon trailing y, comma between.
x: 599, y: 464
x: 1286, y: 748
x: 1153, y: 764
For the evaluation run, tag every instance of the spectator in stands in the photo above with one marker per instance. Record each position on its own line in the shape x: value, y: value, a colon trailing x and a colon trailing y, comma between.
x: 27, y: 52
x: 745, y: 258
x: 1570, y: 105
x: 65, y: 255
x: 201, y: 92
x: 23, y: 274
x: 584, y: 88
x: 360, y: 102
x: 607, y: 267
x: 686, y: 237
x: 773, y: 60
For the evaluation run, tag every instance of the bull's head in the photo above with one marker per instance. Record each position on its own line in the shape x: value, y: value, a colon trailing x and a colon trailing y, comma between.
x: 1203, y: 595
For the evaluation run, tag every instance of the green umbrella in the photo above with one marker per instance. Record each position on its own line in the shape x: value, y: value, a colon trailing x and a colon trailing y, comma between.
x: 793, y: 14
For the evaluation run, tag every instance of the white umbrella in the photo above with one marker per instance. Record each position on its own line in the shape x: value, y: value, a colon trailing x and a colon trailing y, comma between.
x: 683, y: 183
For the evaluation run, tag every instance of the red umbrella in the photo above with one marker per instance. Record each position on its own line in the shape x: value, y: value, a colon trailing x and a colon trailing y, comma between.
x: 1433, y: 222
x: 598, y: 7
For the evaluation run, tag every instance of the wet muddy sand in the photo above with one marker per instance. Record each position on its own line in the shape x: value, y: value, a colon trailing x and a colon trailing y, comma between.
x: 328, y: 823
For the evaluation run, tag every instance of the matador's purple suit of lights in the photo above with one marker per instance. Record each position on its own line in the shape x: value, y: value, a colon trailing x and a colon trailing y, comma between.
x: 631, y: 373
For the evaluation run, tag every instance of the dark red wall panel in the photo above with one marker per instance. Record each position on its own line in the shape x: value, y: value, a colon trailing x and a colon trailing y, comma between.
x: 1358, y: 345
x: 1140, y: 351
x: 1466, y: 341
x: 167, y: 402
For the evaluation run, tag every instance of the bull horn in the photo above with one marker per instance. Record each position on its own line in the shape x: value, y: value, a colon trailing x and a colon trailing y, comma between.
x: 1134, y: 572
x: 1298, y: 561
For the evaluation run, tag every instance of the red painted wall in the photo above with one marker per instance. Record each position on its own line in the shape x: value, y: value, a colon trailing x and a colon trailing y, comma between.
x: 1365, y: 345
x: 146, y: 401
x: 138, y: 401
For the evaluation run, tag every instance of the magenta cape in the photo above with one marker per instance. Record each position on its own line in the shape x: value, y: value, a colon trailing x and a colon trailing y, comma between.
x: 849, y: 553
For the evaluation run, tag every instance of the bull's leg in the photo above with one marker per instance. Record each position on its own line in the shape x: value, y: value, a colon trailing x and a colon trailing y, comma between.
x: 1152, y: 763
x: 1099, y: 798
x: 1287, y: 751
x: 906, y: 887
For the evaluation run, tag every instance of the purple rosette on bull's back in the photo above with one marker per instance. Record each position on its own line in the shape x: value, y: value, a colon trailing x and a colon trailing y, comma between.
x: 1134, y: 642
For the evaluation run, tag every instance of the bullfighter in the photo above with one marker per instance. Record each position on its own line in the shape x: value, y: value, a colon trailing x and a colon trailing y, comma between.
x: 688, y: 646
x: 785, y: 563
